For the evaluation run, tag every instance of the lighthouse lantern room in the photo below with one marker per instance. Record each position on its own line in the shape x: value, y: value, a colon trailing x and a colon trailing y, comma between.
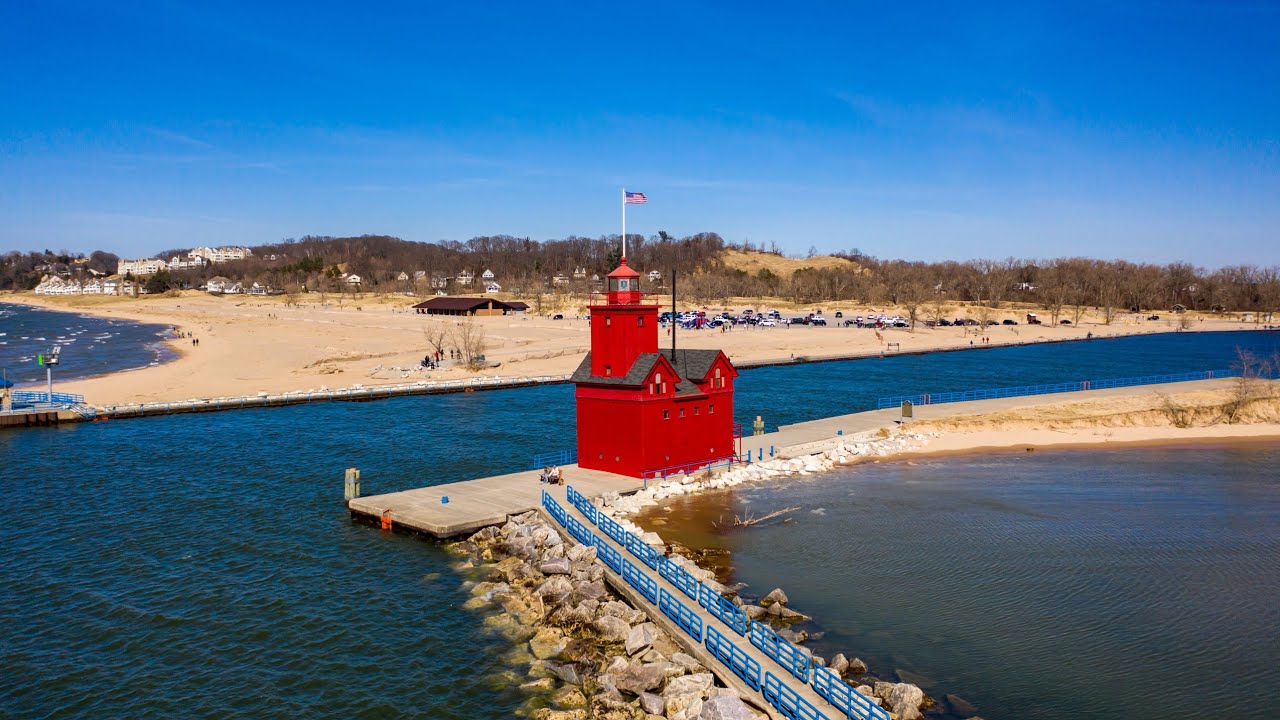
x: 642, y: 410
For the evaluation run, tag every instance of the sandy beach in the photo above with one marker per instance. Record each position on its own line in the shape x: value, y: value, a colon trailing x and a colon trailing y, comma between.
x: 266, y: 344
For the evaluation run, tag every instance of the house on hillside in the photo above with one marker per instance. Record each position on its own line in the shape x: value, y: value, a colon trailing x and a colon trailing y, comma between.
x: 487, y: 275
x: 492, y: 287
x: 465, y: 278
x: 217, y: 284
x: 403, y: 277
x: 579, y: 273
x: 439, y: 282
x: 654, y: 276
x: 559, y: 279
x: 351, y: 279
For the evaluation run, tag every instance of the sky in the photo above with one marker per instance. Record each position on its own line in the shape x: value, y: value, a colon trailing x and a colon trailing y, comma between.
x: 1145, y: 131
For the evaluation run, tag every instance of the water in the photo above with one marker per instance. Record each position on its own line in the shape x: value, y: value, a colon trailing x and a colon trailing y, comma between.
x: 202, y: 566
x: 1139, y: 583
x: 89, y: 345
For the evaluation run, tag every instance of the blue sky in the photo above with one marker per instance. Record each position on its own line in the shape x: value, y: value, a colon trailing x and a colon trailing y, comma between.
x: 1146, y: 131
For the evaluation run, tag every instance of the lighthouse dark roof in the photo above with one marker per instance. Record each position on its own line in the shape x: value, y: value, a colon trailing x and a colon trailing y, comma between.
x: 690, y: 364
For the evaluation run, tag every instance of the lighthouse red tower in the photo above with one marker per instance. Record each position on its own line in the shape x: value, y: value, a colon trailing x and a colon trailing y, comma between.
x: 641, y: 409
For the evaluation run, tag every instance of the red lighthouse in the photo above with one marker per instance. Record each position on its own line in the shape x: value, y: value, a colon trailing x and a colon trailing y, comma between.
x: 641, y: 409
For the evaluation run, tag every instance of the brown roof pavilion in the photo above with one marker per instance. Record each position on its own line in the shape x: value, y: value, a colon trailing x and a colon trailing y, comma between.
x: 469, y: 306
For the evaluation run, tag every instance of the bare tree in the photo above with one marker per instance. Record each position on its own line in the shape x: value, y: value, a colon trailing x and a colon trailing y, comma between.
x: 1249, y: 385
x: 437, y: 336
x: 469, y: 339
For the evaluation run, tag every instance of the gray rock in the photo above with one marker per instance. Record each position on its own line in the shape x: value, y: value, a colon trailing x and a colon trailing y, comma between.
x: 589, y: 590
x: 582, y: 553
x: 640, y: 638
x: 869, y: 693
x: 555, y: 566
x: 774, y: 596
x: 548, y: 642
x: 488, y: 533
x: 582, y: 614
x: 755, y: 612
x: 652, y: 704
x: 961, y: 707
x: 698, y: 683
x: 774, y: 610
x: 622, y: 610
x: 616, y: 665
x: 639, y: 678
x: 687, y: 662
x: 838, y: 664
x: 555, y: 587
x: 795, y: 637
x: 568, y: 672
x: 856, y: 667
x: 787, y: 613
x: 902, y: 699
x: 726, y: 707
x: 683, y: 706
x: 612, y: 629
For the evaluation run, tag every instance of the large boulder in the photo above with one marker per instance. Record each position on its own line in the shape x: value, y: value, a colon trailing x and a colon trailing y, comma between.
x: 726, y: 707
x: 755, y: 612
x: 638, y: 678
x: 555, y: 566
x: 594, y: 590
x: 775, y: 596
x: 622, y: 610
x: 652, y: 704
x: 582, y: 553
x: 687, y: 663
x: 612, y: 629
x: 856, y: 667
x: 547, y: 643
x: 838, y: 664
x: 901, y: 699
x: 640, y: 638
x: 685, y: 706
x: 555, y: 588
x: 699, y: 683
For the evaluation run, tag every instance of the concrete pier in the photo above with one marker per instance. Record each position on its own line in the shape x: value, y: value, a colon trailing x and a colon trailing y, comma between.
x: 474, y: 504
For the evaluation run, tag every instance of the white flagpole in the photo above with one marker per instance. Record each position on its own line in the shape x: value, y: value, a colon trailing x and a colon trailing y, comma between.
x: 624, y: 222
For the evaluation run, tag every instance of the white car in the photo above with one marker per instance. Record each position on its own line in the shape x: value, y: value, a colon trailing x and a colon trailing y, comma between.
x: 767, y: 323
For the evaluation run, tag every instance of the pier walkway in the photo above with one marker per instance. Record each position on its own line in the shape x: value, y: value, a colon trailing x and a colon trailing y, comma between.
x: 749, y: 657
x: 474, y: 504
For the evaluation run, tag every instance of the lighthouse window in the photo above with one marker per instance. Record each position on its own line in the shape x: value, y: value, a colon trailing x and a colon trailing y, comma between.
x: 666, y: 414
x: 681, y: 412
x: 608, y: 370
x: 697, y: 409
x: 711, y: 409
x: 640, y: 322
x: 608, y: 321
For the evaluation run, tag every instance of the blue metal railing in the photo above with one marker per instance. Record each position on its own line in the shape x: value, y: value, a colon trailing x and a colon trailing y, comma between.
x: 687, y: 619
x: 558, y: 457
x: 679, y: 577
x: 725, y: 611
x: 582, y: 503
x: 786, y: 654
x: 639, y: 580
x: 716, y: 464
x: 742, y: 664
x: 788, y: 701
x: 44, y: 398
x: 844, y: 698
x: 611, y: 557
x: 1026, y: 390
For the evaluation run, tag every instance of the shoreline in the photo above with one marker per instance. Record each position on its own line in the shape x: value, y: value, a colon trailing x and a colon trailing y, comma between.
x: 256, y: 345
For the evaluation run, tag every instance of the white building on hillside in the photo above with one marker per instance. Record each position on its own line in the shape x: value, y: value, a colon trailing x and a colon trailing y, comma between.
x: 465, y: 278
x: 487, y: 275
x: 191, y: 262
x: 492, y: 287
x: 221, y: 254
x: 146, y: 266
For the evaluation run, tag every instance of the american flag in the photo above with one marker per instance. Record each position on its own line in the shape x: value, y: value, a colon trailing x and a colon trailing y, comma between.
x: 636, y: 198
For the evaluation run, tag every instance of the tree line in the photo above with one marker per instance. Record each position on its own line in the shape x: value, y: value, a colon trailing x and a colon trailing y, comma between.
x: 1062, y: 286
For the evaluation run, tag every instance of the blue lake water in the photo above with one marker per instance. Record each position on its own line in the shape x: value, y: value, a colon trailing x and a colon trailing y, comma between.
x: 1135, y: 584
x: 203, y: 566
x: 89, y: 345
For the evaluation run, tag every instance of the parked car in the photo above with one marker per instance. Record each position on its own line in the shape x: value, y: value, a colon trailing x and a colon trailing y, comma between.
x: 1064, y: 322
x: 839, y: 314
x: 945, y: 323
x: 1009, y: 322
x: 992, y: 322
x: 819, y: 321
x: 1154, y: 317
x: 557, y: 316
x: 900, y: 323
x: 767, y: 322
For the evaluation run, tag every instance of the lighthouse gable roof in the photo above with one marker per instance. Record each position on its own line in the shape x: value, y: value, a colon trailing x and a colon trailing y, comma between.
x: 689, y: 366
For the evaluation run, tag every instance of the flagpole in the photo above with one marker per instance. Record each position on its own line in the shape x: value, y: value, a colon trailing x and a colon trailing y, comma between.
x: 624, y: 223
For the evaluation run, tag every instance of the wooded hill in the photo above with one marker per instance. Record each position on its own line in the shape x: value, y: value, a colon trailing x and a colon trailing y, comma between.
x: 709, y: 270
